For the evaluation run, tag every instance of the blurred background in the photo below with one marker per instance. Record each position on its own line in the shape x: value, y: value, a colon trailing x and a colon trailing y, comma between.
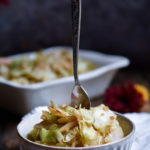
x: 116, y: 27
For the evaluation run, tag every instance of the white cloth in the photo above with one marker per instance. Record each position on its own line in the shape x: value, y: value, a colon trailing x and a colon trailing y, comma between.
x: 142, y: 131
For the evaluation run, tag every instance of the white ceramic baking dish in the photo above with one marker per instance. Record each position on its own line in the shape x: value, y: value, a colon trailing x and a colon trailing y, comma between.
x: 23, y: 98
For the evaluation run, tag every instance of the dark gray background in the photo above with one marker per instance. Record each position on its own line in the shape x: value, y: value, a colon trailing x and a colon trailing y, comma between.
x: 110, y: 26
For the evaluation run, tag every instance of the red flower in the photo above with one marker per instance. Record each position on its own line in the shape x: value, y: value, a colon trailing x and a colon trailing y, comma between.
x: 4, y: 2
x: 126, y: 98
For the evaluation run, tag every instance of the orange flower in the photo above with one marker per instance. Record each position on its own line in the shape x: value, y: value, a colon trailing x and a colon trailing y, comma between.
x: 143, y: 91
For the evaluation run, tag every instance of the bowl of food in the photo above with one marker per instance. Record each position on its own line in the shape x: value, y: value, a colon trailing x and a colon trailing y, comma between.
x: 67, y: 128
x: 32, y: 79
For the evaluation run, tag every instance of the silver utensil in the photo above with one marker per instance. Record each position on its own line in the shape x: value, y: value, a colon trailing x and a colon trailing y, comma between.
x: 79, y: 97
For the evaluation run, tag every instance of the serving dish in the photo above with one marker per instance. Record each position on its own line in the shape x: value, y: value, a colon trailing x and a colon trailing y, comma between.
x: 23, y: 98
x: 26, y: 125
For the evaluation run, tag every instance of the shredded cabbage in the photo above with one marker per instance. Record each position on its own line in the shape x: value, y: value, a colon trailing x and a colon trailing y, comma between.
x: 70, y: 127
x: 43, y: 67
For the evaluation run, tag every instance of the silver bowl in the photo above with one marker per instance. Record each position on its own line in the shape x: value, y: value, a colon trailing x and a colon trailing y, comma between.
x: 26, y: 125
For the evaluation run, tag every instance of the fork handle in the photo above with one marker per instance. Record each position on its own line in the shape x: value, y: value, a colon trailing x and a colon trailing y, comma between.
x: 76, y: 22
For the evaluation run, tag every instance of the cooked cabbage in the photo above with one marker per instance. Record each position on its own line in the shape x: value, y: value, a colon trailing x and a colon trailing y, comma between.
x: 43, y: 67
x: 70, y: 127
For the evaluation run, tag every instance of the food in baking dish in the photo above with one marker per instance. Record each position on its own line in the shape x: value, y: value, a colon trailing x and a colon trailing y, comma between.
x: 43, y: 67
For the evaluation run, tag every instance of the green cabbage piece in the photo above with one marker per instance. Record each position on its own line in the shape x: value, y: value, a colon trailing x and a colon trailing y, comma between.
x: 48, y: 117
x: 48, y: 136
x: 34, y: 135
x: 87, y: 132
